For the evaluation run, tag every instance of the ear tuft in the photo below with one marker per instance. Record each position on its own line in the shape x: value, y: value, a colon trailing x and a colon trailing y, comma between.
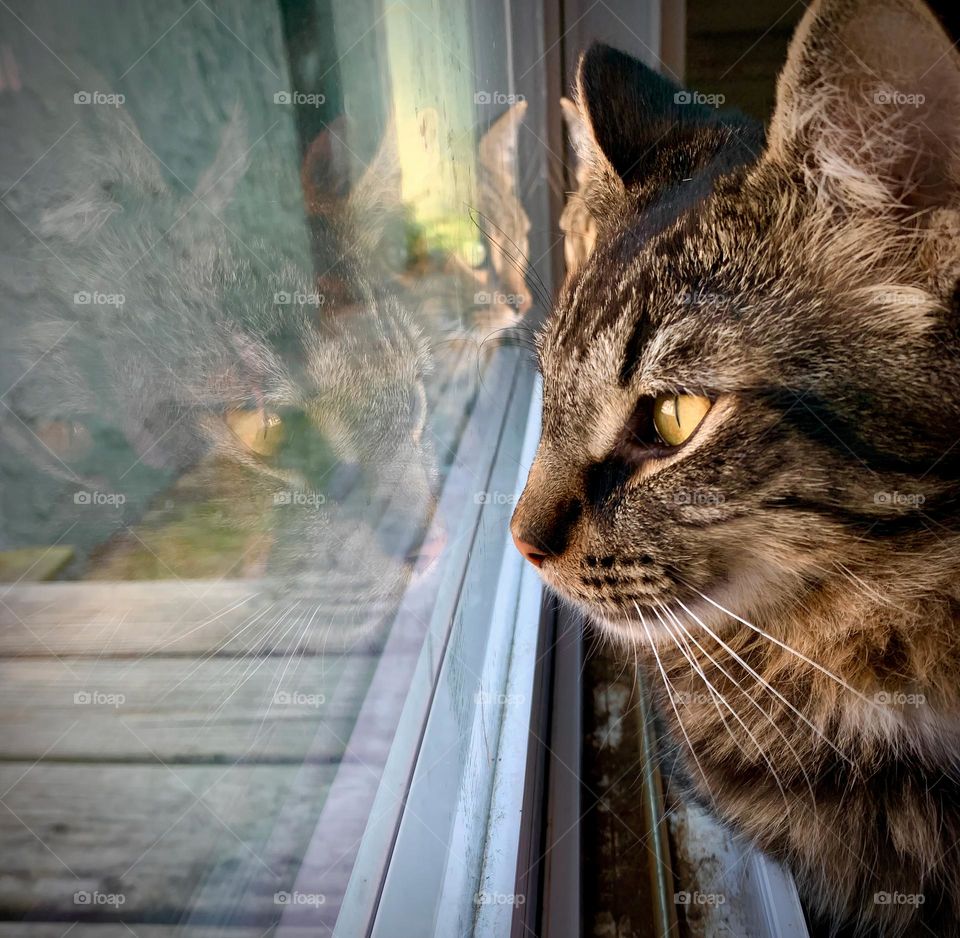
x: 579, y: 136
x: 868, y: 106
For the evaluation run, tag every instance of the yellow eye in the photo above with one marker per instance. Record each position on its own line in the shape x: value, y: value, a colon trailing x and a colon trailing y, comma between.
x: 259, y: 430
x: 64, y: 438
x: 676, y: 416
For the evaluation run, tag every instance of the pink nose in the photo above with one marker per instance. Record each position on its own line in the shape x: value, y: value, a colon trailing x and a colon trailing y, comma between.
x: 531, y: 553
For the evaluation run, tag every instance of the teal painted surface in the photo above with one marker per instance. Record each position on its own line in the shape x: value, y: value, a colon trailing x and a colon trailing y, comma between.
x: 179, y: 72
x: 183, y: 67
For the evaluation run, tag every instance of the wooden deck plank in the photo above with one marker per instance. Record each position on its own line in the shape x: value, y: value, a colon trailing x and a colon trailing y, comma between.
x: 166, y: 840
x: 162, y: 617
x: 176, y: 710
x: 103, y: 930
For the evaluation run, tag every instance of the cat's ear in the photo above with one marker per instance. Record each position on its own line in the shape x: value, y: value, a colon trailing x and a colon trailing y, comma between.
x: 378, y: 194
x: 868, y: 106
x: 499, y: 145
x: 219, y: 182
x: 370, y: 207
x: 325, y: 173
x: 638, y: 130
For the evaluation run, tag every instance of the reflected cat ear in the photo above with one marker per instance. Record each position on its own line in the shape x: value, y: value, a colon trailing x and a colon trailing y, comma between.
x: 216, y: 188
x: 579, y: 135
x: 325, y: 170
x: 368, y: 206
x: 219, y: 181
x: 381, y: 186
x: 868, y: 106
x: 641, y: 132
x: 499, y: 145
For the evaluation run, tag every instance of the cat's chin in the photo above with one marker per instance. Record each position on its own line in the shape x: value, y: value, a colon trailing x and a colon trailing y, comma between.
x: 631, y: 632
x: 666, y: 624
x: 728, y: 603
x: 668, y: 621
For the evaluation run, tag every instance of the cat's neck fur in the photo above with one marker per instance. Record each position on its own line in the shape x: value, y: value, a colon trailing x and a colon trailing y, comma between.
x: 836, y: 739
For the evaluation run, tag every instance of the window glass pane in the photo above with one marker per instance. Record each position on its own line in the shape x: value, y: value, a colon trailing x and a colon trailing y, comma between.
x: 264, y: 381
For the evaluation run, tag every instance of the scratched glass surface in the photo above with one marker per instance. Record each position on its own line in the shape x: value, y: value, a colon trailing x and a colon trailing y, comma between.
x: 257, y: 260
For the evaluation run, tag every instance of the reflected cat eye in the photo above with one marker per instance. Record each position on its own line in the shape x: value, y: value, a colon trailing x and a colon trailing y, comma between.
x: 259, y: 430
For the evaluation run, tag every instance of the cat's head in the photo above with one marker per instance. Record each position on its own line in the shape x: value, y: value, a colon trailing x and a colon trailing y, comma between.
x: 309, y: 387
x: 752, y: 386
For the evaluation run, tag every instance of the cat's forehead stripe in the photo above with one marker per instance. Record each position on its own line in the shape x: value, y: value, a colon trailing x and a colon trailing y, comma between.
x: 619, y: 284
x: 637, y: 340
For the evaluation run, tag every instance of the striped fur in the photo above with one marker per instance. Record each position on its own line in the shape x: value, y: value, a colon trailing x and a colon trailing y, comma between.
x: 789, y: 576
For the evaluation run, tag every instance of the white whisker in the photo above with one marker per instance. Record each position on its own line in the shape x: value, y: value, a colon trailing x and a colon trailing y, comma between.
x: 670, y: 694
x: 213, y: 652
x: 785, y: 647
x: 739, y: 686
x: 714, y: 695
x: 772, y: 689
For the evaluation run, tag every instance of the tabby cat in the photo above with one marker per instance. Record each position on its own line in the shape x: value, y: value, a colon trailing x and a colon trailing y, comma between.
x: 296, y: 417
x: 749, y: 471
